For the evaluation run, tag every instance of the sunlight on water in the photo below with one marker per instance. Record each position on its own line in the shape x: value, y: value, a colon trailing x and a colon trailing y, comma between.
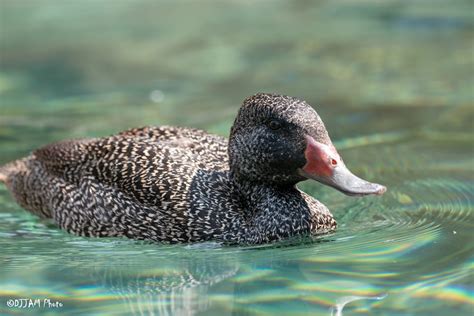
x: 341, y: 302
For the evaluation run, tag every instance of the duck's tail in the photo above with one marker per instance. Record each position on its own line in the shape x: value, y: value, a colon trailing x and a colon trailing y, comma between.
x: 5, y: 171
x: 25, y: 182
x: 10, y: 169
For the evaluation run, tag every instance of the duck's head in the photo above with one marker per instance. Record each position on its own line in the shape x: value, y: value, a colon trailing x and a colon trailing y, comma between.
x: 281, y: 140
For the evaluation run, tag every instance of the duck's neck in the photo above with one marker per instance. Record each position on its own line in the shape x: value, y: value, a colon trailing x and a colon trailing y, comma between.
x: 273, y: 212
x: 255, y: 193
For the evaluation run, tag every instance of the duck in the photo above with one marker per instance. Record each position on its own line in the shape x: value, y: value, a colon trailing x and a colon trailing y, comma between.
x: 183, y: 185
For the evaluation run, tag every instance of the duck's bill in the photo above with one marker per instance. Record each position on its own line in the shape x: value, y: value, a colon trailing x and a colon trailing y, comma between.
x: 348, y: 183
x: 323, y: 164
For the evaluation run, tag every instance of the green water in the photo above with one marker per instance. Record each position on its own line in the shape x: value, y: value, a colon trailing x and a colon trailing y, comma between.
x: 393, y: 81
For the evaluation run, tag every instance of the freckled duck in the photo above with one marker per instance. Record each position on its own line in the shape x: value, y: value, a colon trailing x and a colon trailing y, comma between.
x: 173, y: 184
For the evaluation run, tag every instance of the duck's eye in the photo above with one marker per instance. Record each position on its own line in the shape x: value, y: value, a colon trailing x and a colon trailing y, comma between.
x: 274, y: 125
x: 333, y: 162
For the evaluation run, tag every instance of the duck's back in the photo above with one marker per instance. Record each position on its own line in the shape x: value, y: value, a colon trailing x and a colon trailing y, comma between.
x: 136, y: 183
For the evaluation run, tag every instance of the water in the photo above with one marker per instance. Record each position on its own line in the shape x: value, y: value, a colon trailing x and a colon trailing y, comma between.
x: 392, y: 80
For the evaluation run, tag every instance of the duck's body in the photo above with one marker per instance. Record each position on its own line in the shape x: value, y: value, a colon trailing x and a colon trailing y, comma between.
x: 173, y: 185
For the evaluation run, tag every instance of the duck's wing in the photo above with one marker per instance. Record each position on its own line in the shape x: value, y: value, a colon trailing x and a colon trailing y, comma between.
x: 209, y: 147
x: 102, y: 187
x: 157, y: 133
x: 135, y: 167
x: 63, y: 155
x: 170, y: 133
x: 60, y: 157
x: 146, y: 168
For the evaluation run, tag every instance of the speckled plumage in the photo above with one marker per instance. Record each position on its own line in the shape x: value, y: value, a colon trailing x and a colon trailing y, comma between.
x: 172, y: 184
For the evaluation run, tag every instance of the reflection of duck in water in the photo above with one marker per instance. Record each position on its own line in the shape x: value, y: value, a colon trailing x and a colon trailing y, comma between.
x: 124, y: 279
x: 184, y: 185
x: 180, y: 286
